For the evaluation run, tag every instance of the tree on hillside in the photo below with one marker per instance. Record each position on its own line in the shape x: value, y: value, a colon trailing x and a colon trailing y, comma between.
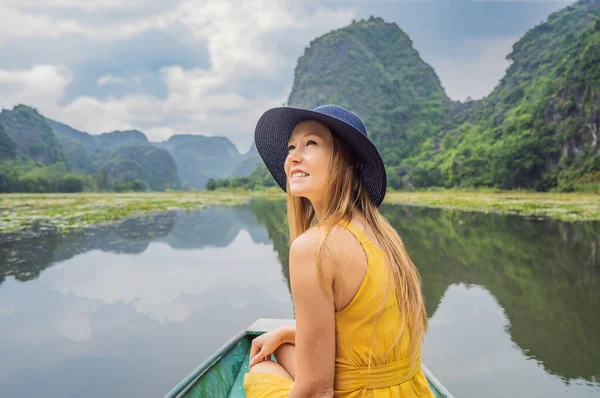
x: 211, y: 185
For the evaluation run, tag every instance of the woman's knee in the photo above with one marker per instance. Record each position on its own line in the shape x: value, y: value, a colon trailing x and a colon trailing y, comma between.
x: 270, y: 366
x: 260, y: 366
x: 284, y: 349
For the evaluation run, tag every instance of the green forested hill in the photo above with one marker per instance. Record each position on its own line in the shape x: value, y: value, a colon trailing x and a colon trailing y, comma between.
x: 32, y: 135
x: 110, y: 141
x: 153, y: 167
x: 199, y: 158
x: 62, y: 130
x: 41, y: 155
x: 76, y: 155
x: 372, y: 68
x: 539, y: 128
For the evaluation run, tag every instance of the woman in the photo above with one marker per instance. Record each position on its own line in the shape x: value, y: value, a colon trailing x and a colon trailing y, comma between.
x: 360, y: 316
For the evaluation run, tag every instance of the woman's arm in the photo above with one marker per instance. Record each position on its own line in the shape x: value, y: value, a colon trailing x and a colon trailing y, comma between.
x: 264, y: 345
x: 315, y: 319
x: 288, y: 334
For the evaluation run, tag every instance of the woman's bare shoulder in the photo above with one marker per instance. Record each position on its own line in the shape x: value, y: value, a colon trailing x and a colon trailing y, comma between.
x: 312, y: 237
x: 340, y: 243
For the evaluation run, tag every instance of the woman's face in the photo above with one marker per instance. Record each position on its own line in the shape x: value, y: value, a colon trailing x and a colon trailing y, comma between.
x: 307, y: 165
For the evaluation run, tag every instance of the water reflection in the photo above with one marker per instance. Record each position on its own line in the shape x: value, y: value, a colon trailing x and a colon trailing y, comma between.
x: 129, y: 309
x: 469, y: 331
x: 544, y: 274
x: 24, y: 256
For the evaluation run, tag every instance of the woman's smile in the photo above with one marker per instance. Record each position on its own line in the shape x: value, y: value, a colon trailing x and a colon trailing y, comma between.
x: 299, y: 174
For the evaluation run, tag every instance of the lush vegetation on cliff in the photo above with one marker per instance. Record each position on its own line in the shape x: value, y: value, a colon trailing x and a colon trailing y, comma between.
x: 540, y: 126
x: 371, y: 68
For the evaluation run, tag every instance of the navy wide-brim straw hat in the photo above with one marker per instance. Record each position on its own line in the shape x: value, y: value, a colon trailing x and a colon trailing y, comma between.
x: 274, y: 129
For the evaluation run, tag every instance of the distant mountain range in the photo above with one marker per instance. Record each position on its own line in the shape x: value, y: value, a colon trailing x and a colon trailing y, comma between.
x: 183, y: 161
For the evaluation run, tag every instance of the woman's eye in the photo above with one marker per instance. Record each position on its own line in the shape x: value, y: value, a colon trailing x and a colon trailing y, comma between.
x: 291, y: 147
x: 311, y: 142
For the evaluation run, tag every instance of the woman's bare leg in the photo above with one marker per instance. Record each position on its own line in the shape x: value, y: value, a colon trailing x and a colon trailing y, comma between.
x: 286, y: 357
x: 285, y: 365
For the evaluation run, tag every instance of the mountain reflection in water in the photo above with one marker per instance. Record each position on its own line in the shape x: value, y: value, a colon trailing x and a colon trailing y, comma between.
x: 129, y: 309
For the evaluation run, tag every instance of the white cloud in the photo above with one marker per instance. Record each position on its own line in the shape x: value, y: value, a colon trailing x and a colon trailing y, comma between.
x: 186, y: 109
x: 86, y: 5
x: 41, y: 86
x: 20, y: 23
x: 244, y: 43
x: 93, y: 115
x: 15, y: 23
x: 109, y: 79
x: 237, y: 32
x: 476, y: 67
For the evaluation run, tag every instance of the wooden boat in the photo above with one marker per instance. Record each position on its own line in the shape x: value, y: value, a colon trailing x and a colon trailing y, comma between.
x: 222, y: 375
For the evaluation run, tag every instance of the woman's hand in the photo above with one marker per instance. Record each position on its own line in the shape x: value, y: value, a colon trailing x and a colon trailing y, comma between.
x: 264, y: 345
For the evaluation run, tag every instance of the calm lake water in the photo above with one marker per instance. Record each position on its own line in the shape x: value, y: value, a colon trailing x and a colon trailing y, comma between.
x: 128, y: 310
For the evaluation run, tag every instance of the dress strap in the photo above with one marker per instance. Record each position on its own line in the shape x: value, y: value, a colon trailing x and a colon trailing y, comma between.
x: 360, y: 236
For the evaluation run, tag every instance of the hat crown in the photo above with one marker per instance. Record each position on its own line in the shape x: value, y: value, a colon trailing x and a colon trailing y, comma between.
x: 344, y: 115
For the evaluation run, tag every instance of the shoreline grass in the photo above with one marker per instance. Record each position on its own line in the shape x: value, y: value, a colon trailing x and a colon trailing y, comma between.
x: 75, y: 211
x: 572, y: 207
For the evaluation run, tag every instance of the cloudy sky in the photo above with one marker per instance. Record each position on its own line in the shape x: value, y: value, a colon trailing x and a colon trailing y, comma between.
x: 212, y: 67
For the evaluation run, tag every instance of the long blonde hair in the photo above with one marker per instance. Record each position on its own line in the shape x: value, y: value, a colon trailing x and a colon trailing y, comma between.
x: 345, y: 191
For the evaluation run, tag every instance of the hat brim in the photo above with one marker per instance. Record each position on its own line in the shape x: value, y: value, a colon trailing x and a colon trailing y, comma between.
x: 273, y: 131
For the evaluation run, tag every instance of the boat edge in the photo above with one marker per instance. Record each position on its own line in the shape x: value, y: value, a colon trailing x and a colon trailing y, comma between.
x: 187, y: 382
x: 260, y: 326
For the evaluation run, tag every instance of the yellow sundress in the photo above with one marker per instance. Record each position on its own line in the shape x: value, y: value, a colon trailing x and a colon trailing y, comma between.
x: 396, y: 375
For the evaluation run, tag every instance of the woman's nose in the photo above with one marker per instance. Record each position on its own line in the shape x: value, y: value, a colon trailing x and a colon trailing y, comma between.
x: 294, y: 156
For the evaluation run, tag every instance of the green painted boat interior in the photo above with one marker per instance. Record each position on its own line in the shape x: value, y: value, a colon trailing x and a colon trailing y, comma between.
x: 224, y: 377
